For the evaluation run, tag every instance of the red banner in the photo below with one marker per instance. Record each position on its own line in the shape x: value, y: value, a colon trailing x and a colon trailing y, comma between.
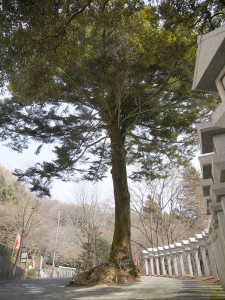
x: 17, y: 242
x: 136, y: 259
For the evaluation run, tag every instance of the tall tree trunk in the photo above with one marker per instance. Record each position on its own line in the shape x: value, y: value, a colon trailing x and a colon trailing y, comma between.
x: 120, y: 254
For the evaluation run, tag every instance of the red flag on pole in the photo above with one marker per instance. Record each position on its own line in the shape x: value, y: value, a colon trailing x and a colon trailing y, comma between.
x: 17, y: 242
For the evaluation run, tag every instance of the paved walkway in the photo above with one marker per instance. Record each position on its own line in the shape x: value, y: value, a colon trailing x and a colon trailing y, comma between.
x: 155, y: 288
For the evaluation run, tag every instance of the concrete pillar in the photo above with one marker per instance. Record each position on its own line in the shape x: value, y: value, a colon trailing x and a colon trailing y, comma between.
x: 202, y: 245
x: 217, y: 212
x: 174, y: 258
x: 162, y: 259
x: 223, y: 203
x: 217, y: 236
x: 197, y: 262
x: 187, y: 250
x: 156, y: 256
x: 188, y: 253
x: 179, y: 250
x: 151, y: 258
x: 168, y: 259
x: 219, y: 143
x: 219, y: 254
x: 213, y: 237
x: 205, y: 261
x: 145, y: 257
x: 212, y: 261
x: 221, y: 219
x: 195, y: 247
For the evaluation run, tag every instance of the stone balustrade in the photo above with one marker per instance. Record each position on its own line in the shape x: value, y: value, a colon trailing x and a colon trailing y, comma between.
x: 200, y: 255
x: 188, y: 257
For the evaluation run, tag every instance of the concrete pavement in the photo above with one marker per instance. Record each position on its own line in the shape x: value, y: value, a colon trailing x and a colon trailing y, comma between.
x: 155, y: 288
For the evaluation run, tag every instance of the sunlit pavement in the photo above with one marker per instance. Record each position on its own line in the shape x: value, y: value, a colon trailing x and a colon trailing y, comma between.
x: 147, y: 288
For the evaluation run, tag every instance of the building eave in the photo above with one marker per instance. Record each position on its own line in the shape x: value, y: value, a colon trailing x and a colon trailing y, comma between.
x: 210, y: 58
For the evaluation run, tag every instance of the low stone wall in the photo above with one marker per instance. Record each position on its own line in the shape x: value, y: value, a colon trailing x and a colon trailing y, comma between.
x: 6, y: 270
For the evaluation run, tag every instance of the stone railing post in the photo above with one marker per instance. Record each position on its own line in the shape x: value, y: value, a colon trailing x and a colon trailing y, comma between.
x: 162, y: 259
x: 223, y: 203
x: 212, y: 261
x: 187, y: 250
x: 151, y: 258
x: 180, y: 257
x: 145, y: 257
x: 219, y: 253
x: 221, y: 218
x: 202, y: 244
x: 168, y: 259
x: 174, y: 258
x: 156, y: 255
x: 195, y: 247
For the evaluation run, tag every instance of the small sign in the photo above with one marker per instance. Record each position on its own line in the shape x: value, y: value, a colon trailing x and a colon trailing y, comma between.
x: 24, y: 255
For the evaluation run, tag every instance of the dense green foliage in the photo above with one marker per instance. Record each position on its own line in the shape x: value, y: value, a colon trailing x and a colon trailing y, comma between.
x: 202, y: 16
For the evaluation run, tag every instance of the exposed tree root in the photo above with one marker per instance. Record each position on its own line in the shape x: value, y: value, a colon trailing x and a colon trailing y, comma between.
x: 105, y: 274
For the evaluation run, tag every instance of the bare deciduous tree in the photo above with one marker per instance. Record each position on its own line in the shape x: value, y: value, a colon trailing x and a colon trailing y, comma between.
x: 168, y: 209
x: 92, y: 226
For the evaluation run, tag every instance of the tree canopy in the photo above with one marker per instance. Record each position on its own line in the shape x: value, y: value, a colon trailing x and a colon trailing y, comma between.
x: 116, y: 63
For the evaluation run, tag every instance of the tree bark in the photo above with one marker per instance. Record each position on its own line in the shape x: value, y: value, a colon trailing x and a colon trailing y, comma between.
x: 120, y: 254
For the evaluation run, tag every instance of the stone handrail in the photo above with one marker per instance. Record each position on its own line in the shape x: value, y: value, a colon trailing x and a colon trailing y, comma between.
x: 194, y: 256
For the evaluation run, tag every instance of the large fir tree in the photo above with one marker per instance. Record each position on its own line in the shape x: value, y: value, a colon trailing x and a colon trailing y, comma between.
x: 107, y: 83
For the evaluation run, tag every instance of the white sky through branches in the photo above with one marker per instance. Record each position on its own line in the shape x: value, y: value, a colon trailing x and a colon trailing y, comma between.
x: 62, y: 191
